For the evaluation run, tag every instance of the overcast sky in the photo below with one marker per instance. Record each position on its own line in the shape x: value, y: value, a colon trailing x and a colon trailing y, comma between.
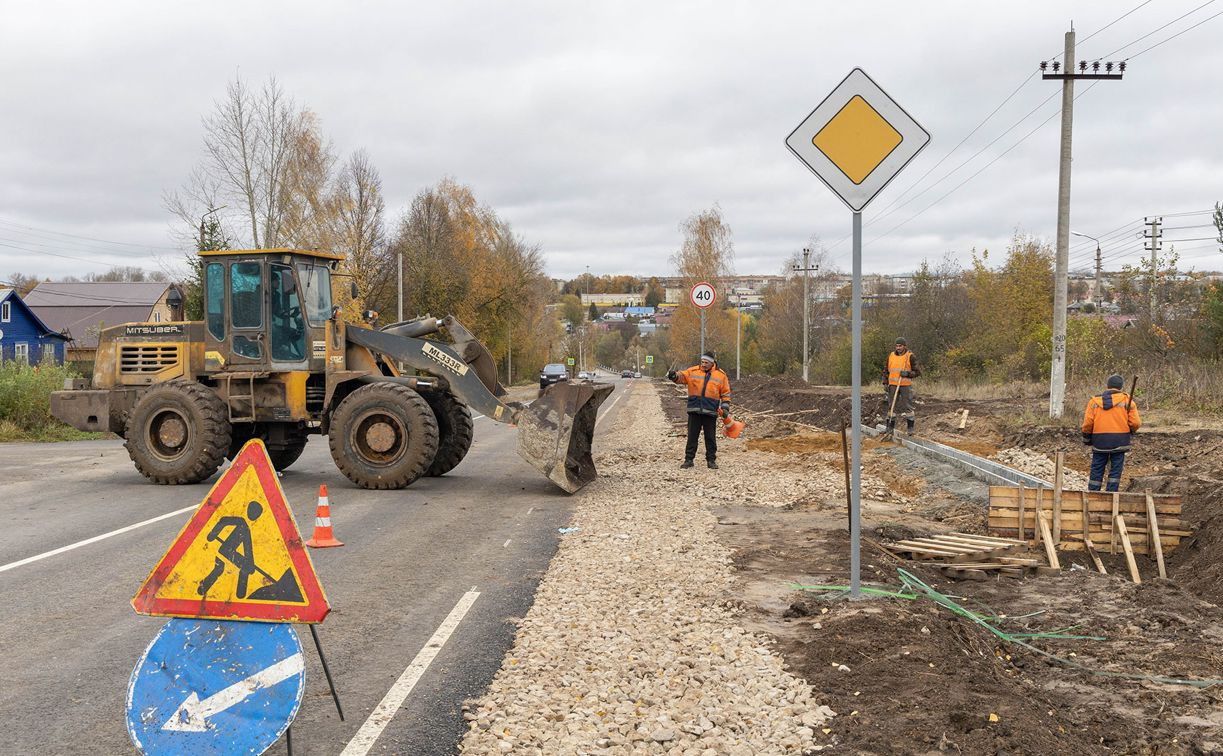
x: 596, y: 128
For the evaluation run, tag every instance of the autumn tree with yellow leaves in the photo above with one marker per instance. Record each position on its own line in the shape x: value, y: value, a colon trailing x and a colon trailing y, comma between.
x: 707, y: 253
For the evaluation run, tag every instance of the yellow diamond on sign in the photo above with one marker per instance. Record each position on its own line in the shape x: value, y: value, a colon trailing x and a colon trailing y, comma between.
x: 857, y: 139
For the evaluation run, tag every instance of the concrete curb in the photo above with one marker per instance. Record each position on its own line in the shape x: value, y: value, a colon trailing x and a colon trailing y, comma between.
x: 980, y: 468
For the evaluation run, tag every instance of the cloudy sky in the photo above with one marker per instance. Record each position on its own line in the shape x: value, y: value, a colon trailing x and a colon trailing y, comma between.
x: 596, y: 128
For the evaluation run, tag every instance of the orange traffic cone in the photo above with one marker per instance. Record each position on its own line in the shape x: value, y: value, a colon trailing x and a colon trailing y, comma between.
x: 732, y: 428
x: 323, y: 537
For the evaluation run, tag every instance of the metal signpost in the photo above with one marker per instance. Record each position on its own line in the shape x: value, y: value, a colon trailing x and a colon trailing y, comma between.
x: 856, y: 141
x: 209, y: 686
x: 703, y: 295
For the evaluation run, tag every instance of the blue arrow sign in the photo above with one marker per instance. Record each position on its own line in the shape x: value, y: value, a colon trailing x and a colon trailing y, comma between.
x: 215, y: 687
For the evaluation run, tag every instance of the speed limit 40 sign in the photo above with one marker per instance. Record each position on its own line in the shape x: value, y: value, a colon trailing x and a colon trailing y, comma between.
x: 703, y: 295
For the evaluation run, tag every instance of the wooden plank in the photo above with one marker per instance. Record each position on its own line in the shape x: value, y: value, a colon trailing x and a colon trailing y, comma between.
x: 1095, y: 558
x: 1155, y: 540
x: 1019, y: 519
x: 987, y: 538
x: 1086, y: 524
x: 1129, y: 551
x: 1112, y: 538
x: 1047, y: 538
x: 963, y: 420
x: 1010, y: 490
x: 1048, y: 571
x: 927, y: 543
x: 1129, y: 501
x: 1059, y: 462
x: 960, y: 574
x: 981, y: 543
x: 1094, y: 503
x: 1007, y: 518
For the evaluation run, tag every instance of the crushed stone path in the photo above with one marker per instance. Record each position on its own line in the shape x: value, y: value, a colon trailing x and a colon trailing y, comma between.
x: 628, y: 647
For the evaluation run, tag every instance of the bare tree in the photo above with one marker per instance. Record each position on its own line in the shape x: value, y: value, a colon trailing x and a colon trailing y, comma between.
x: 359, y: 229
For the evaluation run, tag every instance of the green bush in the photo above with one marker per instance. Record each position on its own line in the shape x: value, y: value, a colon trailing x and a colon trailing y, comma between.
x: 25, y: 394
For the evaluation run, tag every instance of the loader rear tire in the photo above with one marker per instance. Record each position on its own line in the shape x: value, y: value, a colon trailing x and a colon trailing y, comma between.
x: 455, y: 430
x: 383, y: 436
x: 178, y: 433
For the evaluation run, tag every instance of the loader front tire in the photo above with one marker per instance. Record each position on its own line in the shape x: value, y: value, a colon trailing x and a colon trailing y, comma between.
x: 455, y: 430
x: 383, y: 436
x: 178, y: 433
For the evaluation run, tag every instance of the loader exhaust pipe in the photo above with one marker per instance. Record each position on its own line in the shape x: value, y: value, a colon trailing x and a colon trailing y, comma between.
x: 556, y: 431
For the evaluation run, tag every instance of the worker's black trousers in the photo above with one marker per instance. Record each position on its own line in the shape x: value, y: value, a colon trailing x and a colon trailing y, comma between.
x: 697, y: 423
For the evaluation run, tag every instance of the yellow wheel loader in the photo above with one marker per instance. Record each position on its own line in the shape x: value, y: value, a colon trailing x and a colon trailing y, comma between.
x: 271, y: 360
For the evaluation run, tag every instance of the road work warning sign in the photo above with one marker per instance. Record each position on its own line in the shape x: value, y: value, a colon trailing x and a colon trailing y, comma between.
x: 240, y: 557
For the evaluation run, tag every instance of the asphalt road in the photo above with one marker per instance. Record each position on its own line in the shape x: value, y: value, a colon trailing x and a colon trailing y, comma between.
x: 69, y: 638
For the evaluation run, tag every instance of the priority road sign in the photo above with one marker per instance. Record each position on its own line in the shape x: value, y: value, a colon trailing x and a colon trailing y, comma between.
x: 649, y: 359
x: 570, y: 361
x: 703, y: 295
x: 215, y: 687
x: 857, y: 140
x: 240, y: 556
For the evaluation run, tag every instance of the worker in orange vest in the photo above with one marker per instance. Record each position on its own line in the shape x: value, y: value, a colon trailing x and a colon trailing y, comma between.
x: 708, y: 395
x: 898, y: 374
x: 1108, y: 423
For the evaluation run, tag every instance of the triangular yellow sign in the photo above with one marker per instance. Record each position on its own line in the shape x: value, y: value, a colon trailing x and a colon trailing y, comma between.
x: 240, y: 556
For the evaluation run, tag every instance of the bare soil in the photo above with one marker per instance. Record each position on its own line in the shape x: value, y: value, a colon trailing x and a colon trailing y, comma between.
x: 908, y: 676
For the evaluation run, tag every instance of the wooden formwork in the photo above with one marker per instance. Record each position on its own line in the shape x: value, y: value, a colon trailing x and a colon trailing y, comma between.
x: 1012, y: 514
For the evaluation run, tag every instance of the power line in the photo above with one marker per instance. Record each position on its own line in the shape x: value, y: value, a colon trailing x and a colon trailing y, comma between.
x: 1115, y: 20
x: 1174, y: 36
x: 1156, y: 31
x: 66, y: 257
x: 987, y: 165
x: 14, y: 224
x: 975, y: 129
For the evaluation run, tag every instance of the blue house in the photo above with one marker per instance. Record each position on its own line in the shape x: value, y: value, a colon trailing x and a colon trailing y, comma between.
x: 23, y: 336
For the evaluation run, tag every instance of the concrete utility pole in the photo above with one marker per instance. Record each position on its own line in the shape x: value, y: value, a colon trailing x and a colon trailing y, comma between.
x: 1155, y: 234
x: 1097, y: 292
x: 1057, y: 370
x: 806, y: 269
x: 399, y: 268
x: 738, y: 331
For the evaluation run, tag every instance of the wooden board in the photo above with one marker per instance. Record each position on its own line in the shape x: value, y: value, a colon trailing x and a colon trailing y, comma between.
x: 1129, y: 552
x: 1156, y: 541
x: 1093, y: 515
x: 1047, y: 539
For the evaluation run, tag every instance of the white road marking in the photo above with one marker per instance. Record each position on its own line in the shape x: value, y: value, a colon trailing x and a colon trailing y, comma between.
x: 507, y: 542
x: 192, y: 715
x: 95, y: 539
x: 609, y: 408
x: 384, y: 712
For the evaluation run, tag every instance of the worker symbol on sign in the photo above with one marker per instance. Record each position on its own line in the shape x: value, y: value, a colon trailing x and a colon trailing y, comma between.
x: 235, y: 548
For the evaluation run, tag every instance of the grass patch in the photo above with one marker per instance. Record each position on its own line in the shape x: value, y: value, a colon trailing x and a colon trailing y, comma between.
x: 25, y: 404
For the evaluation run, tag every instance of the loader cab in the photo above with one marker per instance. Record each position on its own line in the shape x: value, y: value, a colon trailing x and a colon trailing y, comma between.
x: 266, y: 310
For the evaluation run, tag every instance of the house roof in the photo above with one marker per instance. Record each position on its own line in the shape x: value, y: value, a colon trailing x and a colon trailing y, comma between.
x: 48, y: 331
x: 78, y: 308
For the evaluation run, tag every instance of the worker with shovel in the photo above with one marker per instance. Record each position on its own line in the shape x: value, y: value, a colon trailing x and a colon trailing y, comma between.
x: 898, y: 375
x: 1109, y: 420
x: 708, y: 396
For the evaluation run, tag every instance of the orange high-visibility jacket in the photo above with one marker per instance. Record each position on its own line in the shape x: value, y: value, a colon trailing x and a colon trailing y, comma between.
x: 898, y: 362
x: 707, y: 392
x: 1109, y: 420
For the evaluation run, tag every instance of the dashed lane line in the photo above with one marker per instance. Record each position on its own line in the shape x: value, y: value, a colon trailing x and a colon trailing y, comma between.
x: 95, y: 539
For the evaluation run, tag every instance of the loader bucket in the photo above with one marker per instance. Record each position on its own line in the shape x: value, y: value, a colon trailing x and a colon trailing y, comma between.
x: 556, y: 430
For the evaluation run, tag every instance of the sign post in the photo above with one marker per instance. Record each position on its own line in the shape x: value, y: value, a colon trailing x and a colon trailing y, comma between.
x: 856, y: 141
x: 703, y: 295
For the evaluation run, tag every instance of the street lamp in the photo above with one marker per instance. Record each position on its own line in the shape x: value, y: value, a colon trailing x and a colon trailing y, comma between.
x: 1099, y: 297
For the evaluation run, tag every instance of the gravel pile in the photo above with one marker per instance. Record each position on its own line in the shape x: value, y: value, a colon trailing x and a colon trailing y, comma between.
x: 628, y: 647
x: 1035, y: 463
